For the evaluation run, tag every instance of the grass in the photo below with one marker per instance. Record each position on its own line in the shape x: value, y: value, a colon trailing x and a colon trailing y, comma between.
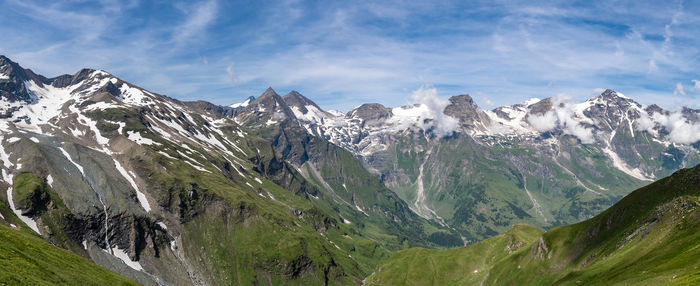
x: 650, y: 237
x: 26, y: 259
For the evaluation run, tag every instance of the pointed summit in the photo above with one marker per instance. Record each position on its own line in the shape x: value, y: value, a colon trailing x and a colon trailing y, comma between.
x: 269, y: 92
x: 268, y: 109
x: 304, y: 109
x: 12, y: 78
x: 295, y: 99
x: 613, y: 97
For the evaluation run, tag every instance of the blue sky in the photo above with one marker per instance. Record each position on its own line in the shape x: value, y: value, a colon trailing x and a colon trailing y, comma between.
x: 344, y: 53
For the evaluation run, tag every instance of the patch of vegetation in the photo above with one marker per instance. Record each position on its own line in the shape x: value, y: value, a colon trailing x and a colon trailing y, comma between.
x: 26, y: 259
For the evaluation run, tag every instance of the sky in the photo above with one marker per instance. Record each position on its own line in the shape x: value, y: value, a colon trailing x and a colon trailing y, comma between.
x: 344, y: 53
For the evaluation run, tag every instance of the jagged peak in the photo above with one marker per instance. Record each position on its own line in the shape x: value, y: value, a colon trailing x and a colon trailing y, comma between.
x: 269, y: 97
x: 296, y: 99
x: 370, y: 111
x: 611, y: 95
x: 271, y: 103
x: 269, y: 92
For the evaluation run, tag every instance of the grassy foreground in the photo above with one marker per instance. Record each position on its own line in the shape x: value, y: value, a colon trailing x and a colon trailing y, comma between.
x: 26, y: 259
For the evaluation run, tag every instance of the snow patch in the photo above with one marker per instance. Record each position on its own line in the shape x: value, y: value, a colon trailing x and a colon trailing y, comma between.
x: 13, y: 139
x: 136, y: 137
x: 139, y: 195
x: 80, y: 168
x: 241, y: 104
x: 27, y: 220
x: 622, y: 166
x: 121, y: 254
x: 49, y: 180
x: 132, y: 95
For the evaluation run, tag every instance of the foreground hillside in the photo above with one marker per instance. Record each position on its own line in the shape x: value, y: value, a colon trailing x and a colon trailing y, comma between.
x: 26, y: 259
x: 650, y: 237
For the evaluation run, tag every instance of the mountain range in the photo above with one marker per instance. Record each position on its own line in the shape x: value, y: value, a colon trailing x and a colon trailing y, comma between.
x: 276, y: 190
x: 543, y: 162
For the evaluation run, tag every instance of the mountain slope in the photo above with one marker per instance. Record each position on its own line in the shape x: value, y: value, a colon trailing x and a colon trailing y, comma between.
x: 30, y: 260
x: 542, y: 162
x: 345, y: 187
x: 160, y: 190
x: 650, y: 237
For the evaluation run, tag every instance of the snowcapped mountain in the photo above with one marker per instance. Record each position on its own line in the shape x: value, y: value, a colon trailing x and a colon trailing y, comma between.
x: 243, y: 103
x: 157, y: 189
x: 562, y: 161
x: 192, y: 193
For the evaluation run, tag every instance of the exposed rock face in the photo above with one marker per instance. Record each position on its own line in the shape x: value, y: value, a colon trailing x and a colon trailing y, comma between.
x: 393, y: 143
x: 541, y: 107
x: 610, y: 110
x: 157, y: 189
x: 269, y: 108
x: 370, y: 112
x: 466, y: 111
x: 12, y: 78
x: 295, y: 99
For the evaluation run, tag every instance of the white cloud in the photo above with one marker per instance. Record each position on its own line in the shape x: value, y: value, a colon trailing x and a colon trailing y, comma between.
x: 544, y: 122
x: 562, y: 116
x: 646, y: 123
x: 696, y: 85
x: 680, y: 90
x: 199, y: 16
x: 444, y: 124
x: 680, y: 129
x: 232, y: 74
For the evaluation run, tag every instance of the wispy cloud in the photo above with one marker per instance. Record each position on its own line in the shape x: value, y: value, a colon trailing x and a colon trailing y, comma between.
x: 232, y: 74
x: 198, y: 17
x: 680, y: 90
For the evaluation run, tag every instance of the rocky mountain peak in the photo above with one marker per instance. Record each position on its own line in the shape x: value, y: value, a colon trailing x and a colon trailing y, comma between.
x: 466, y: 111
x: 68, y: 80
x: 268, y: 93
x: 269, y: 108
x: 541, y: 107
x: 12, y: 78
x: 370, y: 112
x: 295, y: 99
x: 610, y: 96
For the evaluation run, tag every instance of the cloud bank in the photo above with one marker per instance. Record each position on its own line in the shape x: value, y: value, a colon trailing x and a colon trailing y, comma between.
x: 562, y: 116
x: 680, y: 129
x: 426, y: 113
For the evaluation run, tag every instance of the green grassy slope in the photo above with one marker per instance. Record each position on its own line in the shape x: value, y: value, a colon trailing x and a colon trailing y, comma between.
x: 650, y: 237
x: 457, y: 266
x: 26, y: 259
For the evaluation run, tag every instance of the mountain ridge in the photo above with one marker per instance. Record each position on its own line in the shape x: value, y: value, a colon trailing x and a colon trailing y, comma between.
x: 616, y: 136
